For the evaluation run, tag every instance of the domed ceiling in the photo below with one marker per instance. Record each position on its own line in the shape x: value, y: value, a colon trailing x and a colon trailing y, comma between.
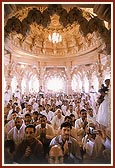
x: 83, y: 32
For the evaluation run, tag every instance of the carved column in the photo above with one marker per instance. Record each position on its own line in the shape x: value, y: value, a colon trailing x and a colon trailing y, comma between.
x: 69, y: 78
x: 27, y: 85
x: 100, y: 76
x: 41, y: 77
x: 8, y: 80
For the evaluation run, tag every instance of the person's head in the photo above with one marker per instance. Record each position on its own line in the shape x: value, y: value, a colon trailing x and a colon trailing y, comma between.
x: 107, y: 82
x: 83, y: 114
x: 65, y: 130
x: 18, y: 122
x: 47, y: 107
x: 14, y: 114
x: 35, y: 115
x: 16, y: 98
x: 40, y: 107
x: 28, y: 117
x: 29, y: 107
x: 18, y: 108
x: 8, y: 105
x: 68, y: 119
x: 72, y: 117
x: 90, y: 112
x: 10, y: 101
x: 71, y: 107
x: 56, y: 155
x: 59, y: 113
x: 43, y: 121
x: 30, y: 132
x: 92, y: 86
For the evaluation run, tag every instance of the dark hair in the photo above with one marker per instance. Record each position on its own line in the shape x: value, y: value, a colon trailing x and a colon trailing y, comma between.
x: 83, y: 110
x: 67, y: 117
x: 30, y: 126
x: 72, y: 115
x: 14, y: 112
x: 58, y: 107
x: 90, y: 109
x: 42, y: 116
x: 107, y: 80
x: 15, y: 104
x: 66, y: 124
x: 27, y: 114
x: 35, y: 112
x: 40, y: 105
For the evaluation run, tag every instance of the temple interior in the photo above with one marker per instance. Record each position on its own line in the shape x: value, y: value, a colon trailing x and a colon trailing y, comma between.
x: 57, y: 52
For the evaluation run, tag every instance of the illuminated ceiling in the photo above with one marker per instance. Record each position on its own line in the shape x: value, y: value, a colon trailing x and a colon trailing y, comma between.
x: 27, y: 27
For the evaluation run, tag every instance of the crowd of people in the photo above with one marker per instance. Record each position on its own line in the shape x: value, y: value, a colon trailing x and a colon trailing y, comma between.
x: 57, y: 129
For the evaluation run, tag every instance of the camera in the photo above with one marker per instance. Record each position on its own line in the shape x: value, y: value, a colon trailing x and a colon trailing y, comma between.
x: 92, y: 131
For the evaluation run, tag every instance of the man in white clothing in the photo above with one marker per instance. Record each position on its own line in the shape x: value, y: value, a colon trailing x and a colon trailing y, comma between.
x: 7, y: 95
x: 80, y: 125
x: 17, y: 133
x: 48, y: 113
x: 44, y: 132
x: 57, y: 120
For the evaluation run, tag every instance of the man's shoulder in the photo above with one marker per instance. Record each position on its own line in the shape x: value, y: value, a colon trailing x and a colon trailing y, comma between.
x: 55, y: 140
x: 78, y: 120
x: 74, y: 141
x: 49, y: 126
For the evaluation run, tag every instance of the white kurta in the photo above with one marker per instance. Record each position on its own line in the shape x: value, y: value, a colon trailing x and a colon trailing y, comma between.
x: 102, y: 116
x: 7, y: 96
x: 18, y: 93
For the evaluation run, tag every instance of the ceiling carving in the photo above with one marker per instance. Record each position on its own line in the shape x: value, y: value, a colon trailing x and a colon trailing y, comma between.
x: 26, y: 30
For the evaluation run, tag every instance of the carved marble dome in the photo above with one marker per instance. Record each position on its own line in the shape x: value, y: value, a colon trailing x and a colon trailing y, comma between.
x: 27, y: 29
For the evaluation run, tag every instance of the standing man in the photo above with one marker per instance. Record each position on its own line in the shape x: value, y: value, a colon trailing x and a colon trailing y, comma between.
x: 7, y: 95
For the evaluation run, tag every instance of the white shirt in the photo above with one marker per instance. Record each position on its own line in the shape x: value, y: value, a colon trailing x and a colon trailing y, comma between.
x: 89, y: 147
x: 17, y: 135
x: 7, y: 96
x: 79, y: 123
x: 107, y: 144
x: 56, y: 122
x: 49, y: 115
x: 18, y: 93
x: 9, y: 126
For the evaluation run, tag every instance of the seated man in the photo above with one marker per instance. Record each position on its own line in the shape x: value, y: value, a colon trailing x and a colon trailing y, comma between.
x: 17, y: 133
x: 73, y: 132
x: 44, y: 132
x: 30, y: 150
x: 70, y: 146
x: 93, y: 146
x: 55, y: 155
x: 9, y: 150
x: 80, y: 125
